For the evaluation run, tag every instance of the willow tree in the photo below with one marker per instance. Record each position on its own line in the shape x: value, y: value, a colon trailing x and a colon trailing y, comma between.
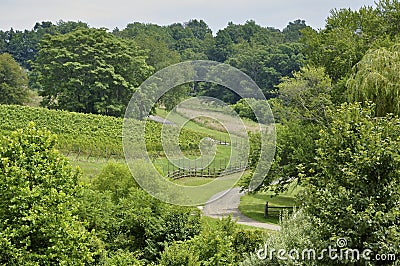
x: 376, y: 78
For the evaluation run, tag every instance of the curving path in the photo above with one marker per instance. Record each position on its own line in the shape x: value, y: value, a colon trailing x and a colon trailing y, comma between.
x: 227, y: 203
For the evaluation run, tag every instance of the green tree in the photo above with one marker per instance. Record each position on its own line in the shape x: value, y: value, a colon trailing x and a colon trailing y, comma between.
x: 199, y: 28
x: 344, y: 40
x: 160, y: 55
x: 306, y: 96
x: 220, y: 243
x: 293, y: 31
x: 38, y: 206
x: 13, y: 81
x: 156, y: 39
x: 377, y: 79
x: 116, y: 178
x: 266, y: 65
x: 89, y: 70
x: 353, y: 190
x: 301, y: 107
x: 389, y: 11
x: 137, y: 222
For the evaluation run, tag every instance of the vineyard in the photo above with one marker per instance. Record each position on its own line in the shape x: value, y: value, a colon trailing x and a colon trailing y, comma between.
x: 88, y: 134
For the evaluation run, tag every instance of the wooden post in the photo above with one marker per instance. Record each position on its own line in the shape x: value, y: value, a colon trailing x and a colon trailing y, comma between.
x: 266, y: 210
x: 79, y: 153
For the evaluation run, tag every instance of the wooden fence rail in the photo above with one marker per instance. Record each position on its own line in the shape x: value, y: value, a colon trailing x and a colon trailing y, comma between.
x: 275, y: 210
x: 206, y: 172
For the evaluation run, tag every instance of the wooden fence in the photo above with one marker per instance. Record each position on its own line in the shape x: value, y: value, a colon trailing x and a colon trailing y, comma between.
x: 275, y: 210
x: 206, y: 172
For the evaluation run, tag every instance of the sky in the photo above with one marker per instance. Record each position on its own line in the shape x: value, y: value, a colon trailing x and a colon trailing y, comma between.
x: 23, y: 14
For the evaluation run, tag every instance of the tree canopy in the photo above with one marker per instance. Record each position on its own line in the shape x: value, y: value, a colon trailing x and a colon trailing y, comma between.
x: 38, y: 204
x: 13, y: 81
x: 89, y: 70
x: 376, y: 78
x: 353, y: 191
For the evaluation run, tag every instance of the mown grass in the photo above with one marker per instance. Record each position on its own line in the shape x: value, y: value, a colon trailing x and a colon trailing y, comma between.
x: 89, y: 169
x: 222, y: 156
x: 177, y: 118
x: 193, y: 181
x: 253, y: 205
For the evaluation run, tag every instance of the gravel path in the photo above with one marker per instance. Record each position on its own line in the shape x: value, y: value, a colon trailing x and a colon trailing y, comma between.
x: 226, y: 203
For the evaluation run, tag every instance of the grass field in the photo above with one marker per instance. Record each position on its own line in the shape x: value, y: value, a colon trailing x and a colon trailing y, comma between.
x: 193, y: 181
x: 252, y: 205
x: 177, y: 118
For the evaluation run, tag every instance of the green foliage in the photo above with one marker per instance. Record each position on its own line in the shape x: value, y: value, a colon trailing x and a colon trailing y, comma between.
x: 155, y: 39
x: 137, y: 222
x: 13, y: 81
x: 223, y: 244
x: 255, y: 149
x: 116, y: 178
x: 349, y: 34
x: 96, y: 134
x: 121, y: 258
x: 89, y: 134
x: 38, y: 208
x: 376, y: 78
x: 245, y: 107
x: 175, y: 96
x: 339, y: 47
x: 295, y: 151
x: 266, y: 65
x: 179, y: 254
x: 389, y: 11
x: 353, y: 189
x: 301, y: 109
x: 95, y: 72
x: 293, y: 31
x: 296, y: 234
x: 306, y: 95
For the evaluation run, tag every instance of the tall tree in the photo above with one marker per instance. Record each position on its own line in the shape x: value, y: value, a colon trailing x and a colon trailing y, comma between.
x: 13, y: 81
x: 353, y: 191
x: 306, y: 96
x: 89, y: 70
x: 302, y: 107
x: 199, y: 28
x: 156, y: 39
x: 347, y: 36
x: 293, y: 31
x: 266, y: 65
x: 377, y: 79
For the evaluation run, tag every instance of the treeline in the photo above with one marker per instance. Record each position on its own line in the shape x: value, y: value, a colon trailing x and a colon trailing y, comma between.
x: 56, y: 55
